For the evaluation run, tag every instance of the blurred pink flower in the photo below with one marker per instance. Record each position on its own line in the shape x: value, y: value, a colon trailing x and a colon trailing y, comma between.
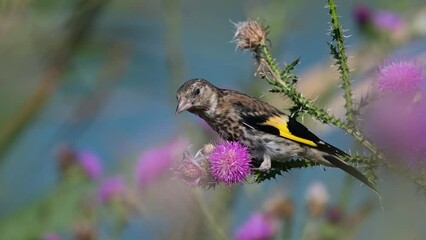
x: 362, y: 15
x: 156, y: 161
x: 388, y: 21
x: 399, y: 77
x: 398, y: 127
x: 230, y: 162
x: 110, y: 188
x: 335, y: 215
x: 51, y: 236
x: 257, y: 227
x: 90, y: 164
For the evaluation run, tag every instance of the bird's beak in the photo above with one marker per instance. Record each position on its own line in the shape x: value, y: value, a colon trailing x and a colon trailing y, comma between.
x: 183, y: 105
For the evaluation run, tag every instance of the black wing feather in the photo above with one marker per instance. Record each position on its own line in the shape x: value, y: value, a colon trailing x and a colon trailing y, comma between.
x: 257, y: 121
x: 299, y: 130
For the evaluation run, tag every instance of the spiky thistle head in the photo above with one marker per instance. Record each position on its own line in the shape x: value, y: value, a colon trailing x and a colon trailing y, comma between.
x: 249, y: 35
x: 194, y: 170
x: 230, y: 162
x: 399, y: 77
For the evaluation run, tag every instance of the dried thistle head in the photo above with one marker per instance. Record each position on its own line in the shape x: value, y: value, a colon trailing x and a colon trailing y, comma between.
x: 67, y: 157
x: 207, y: 149
x: 249, y: 35
x: 194, y: 170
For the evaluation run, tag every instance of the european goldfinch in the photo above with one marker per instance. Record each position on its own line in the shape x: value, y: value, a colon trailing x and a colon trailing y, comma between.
x: 270, y: 134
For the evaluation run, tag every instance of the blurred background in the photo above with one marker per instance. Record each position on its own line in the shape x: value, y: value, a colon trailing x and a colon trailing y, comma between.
x: 88, y: 98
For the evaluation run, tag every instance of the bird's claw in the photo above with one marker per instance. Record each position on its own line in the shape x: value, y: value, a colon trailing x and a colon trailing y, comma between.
x: 265, y: 166
x: 259, y: 169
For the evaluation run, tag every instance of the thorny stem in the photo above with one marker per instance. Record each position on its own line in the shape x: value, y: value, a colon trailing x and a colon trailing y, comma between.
x: 418, y: 179
x: 338, y: 51
x: 284, y: 86
x: 217, y: 230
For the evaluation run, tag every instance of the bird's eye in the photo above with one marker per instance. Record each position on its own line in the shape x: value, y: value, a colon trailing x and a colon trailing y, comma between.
x: 197, y: 91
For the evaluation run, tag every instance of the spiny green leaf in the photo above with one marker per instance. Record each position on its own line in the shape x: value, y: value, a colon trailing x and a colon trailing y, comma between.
x: 294, y: 111
x: 279, y: 167
x: 289, y: 68
x: 287, y: 74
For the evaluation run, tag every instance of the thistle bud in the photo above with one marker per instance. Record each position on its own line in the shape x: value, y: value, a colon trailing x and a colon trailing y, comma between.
x: 316, y: 198
x: 207, y: 149
x: 280, y: 206
x: 66, y: 157
x: 84, y: 231
x: 249, y: 35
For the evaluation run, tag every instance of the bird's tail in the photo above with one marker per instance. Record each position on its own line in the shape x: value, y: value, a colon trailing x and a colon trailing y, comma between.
x: 336, y: 161
x: 331, y: 154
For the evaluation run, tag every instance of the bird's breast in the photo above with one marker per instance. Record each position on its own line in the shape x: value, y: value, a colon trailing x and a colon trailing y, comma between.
x: 227, y: 127
x: 278, y: 148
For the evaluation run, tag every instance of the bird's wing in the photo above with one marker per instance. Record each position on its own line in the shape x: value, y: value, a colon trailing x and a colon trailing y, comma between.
x: 282, y: 126
x: 287, y: 127
x: 263, y: 117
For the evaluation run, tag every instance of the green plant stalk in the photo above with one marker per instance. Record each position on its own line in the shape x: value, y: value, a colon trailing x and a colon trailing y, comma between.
x: 284, y: 86
x: 288, y: 226
x: 217, y: 230
x: 339, y: 53
x: 419, y: 179
x: 346, y: 192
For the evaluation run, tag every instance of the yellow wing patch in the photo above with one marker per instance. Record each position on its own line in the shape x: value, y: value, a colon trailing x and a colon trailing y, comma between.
x: 281, y: 124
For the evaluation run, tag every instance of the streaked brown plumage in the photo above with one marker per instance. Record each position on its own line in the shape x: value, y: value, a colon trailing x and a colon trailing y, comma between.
x: 270, y: 134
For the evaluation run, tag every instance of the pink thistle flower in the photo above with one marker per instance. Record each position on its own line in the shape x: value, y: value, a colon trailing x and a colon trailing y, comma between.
x: 398, y: 127
x: 152, y: 164
x: 388, y: 21
x: 257, y: 227
x: 110, y: 188
x: 399, y: 77
x: 91, y: 164
x: 230, y: 162
x: 51, y: 236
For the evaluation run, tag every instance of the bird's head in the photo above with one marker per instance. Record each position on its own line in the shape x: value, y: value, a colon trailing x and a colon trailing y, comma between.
x: 196, y: 96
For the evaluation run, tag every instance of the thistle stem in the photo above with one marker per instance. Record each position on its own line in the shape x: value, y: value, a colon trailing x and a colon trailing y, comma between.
x: 284, y: 86
x: 338, y: 51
